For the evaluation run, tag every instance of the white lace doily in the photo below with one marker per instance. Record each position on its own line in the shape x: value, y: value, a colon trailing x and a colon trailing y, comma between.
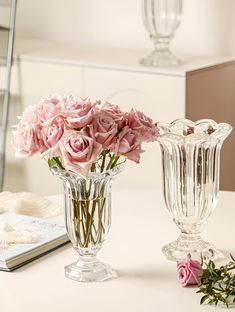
x: 28, y: 204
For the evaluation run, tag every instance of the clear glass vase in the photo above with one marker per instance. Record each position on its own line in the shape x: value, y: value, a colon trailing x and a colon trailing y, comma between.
x: 191, y: 167
x: 88, y: 219
x: 161, y: 19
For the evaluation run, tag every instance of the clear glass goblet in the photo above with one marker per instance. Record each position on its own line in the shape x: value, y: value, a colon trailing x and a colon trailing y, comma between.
x: 191, y: 170
x: 161, y: 19
x: 88, y: 218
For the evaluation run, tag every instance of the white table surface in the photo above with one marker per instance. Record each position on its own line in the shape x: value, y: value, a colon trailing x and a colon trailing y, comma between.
x: 146, y: 280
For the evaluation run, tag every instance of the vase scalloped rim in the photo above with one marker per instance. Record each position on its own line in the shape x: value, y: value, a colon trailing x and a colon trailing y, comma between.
x: 186, y: 131
x: 63, y: 173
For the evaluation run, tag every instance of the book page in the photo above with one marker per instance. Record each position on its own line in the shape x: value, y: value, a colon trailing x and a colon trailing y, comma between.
x: 46, y: 230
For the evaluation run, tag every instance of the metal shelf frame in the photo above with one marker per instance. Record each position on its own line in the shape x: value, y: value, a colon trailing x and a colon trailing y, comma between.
x: 6, y: 92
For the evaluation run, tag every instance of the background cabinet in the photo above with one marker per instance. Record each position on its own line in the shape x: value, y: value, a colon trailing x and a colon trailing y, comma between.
x: 211, y: 93
x: 163, y: 94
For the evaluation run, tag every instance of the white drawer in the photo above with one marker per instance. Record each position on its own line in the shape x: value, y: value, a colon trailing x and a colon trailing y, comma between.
x: 160, y: 96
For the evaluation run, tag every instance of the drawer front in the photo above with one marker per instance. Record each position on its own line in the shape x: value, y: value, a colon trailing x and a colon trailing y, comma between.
x: 41, y: 79
x: 159, y: 96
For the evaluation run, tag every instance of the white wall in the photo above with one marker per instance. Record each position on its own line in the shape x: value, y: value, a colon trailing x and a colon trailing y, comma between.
x: 208, y: 26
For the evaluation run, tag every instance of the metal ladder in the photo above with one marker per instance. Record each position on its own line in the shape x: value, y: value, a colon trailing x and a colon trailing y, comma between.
x: 6, y: 61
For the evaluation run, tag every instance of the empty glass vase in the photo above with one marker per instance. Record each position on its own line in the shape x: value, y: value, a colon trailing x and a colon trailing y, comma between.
x: 191, y: 167
x: 88, y: 220
x: 161, y: 19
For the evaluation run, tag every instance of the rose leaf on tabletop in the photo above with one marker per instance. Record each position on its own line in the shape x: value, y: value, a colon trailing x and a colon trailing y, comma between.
x: 218, y: 284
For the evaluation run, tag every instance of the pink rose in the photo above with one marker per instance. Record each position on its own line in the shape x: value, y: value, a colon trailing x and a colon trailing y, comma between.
x: 29, y: 115
x: 49, y: 107
x: 77, y: 151
x: 25, y: 140
x: 144, y: 125
x: 128, y: 144
x: 50, y: 133
x: 189, y: 272
x: 115, y: 113
x: 79, y: 112
x: 103, y: 129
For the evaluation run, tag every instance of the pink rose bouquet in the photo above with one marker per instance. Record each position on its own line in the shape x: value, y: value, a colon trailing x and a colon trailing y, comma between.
x: 82, y: 136
x: 84, y: 143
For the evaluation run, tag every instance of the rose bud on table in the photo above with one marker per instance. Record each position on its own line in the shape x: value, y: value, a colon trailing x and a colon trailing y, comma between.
x: 189, y: 272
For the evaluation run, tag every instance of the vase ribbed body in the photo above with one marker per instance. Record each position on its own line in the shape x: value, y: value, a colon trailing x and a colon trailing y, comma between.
x: 161, y: 18
x: 190, y: 182
x: 191, y: 170
x: 87, y: 210
x: 87, y: 204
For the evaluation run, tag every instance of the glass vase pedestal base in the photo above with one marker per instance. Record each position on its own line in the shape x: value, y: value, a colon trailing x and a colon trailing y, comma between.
x: 160, y: 60
x: 89, y: 271
x: 193, y: 245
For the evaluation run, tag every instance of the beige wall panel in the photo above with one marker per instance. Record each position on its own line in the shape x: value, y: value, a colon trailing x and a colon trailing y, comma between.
x: 210, y: 93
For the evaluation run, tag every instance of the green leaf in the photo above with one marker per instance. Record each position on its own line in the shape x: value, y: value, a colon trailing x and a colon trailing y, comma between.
x: 51, y: 162
x: 203, y: 299
x: 218, y: 284
x: 55, y: 161
x: 201, y: 290
x: 232, y: 257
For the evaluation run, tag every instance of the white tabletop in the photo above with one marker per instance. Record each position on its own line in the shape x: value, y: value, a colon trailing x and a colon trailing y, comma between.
x: 146, y: 280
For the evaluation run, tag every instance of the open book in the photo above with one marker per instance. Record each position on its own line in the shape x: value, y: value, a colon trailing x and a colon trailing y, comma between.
x: 51, y: 235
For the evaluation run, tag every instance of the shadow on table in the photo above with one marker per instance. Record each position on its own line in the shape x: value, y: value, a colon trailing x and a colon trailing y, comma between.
x: 149, y: 275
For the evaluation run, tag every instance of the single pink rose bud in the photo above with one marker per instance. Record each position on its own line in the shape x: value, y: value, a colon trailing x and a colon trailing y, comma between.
x: 49, y: 107
x: 189, y: 272
x: 141, y: 123
x: 79, y: 112
x: 115, y: 113
x: 127, y: 144
x: 50, y: 134
x: 102, y: 129
x: 25, y: 140
x: 77, y: 151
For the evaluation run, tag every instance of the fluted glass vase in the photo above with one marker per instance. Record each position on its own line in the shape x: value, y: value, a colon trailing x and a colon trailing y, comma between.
x: 191, y: 167
x: 88, y: 219
x: 161, y: 19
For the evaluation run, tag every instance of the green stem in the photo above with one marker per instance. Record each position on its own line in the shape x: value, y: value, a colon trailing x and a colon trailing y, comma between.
x: 101, y: 227
x: 114, y: 162
x: 93, y: 167
x: 110, y: 162
x: 89, y: 224
x: 76, y: 220
x: 83, y: 218
x: 103, y: 162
